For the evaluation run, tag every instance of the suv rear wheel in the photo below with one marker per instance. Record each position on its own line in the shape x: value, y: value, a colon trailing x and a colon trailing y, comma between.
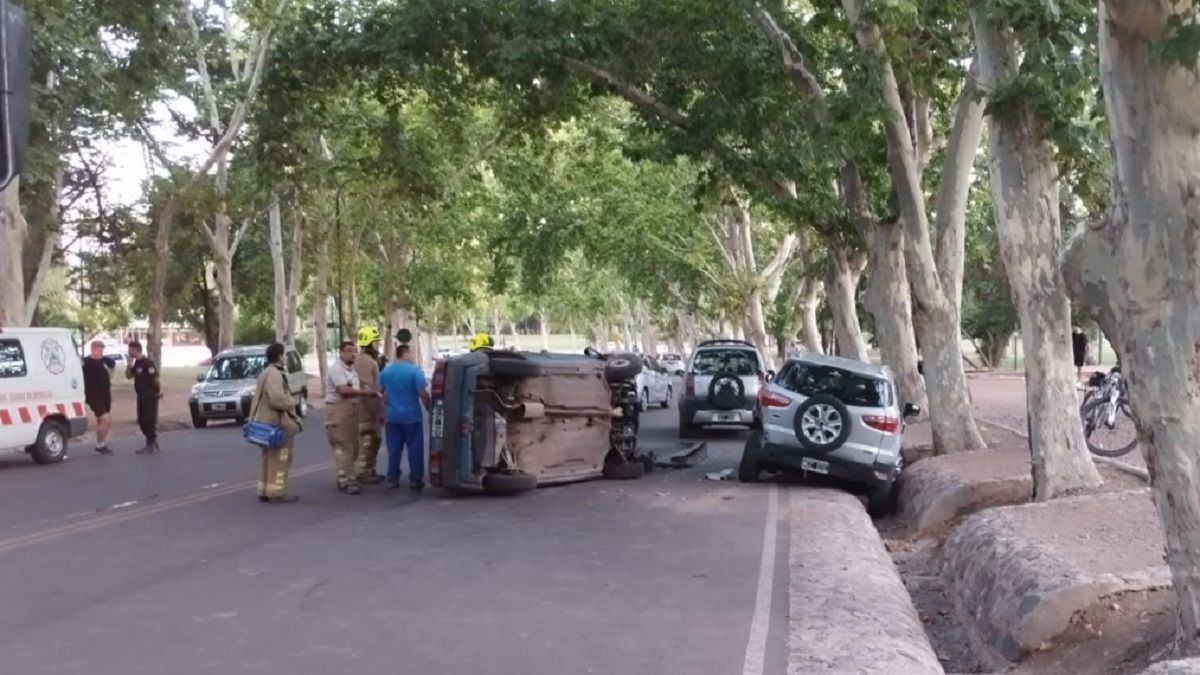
x: 750, y: 468
x: 822, y: 423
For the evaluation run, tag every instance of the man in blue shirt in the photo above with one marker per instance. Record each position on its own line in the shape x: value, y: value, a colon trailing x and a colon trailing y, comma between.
x: 403, y: 386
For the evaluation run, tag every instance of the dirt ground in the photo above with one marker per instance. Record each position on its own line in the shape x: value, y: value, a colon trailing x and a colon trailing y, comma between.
x: 1125, y: 539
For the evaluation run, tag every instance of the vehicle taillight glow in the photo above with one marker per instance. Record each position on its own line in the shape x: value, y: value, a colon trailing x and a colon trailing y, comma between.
x: 690, y: 384
x: 886, y: 424
x: 439, y: 379
x: 769, y: 399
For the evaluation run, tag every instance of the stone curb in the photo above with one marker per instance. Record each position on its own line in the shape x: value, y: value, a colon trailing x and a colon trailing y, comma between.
x: 1014, y: 595
x: 850, y: 612
x: 1183, y: 667
x: 932, y: 495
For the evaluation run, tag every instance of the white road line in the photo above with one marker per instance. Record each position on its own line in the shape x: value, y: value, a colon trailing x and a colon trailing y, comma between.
x: 760, y: 624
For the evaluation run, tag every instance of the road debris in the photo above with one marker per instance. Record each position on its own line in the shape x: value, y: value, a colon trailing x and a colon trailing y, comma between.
x: 684, y: 455
x: 723, y: 474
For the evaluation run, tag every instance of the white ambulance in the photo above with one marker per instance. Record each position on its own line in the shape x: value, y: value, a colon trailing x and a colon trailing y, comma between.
x: 41, y: 392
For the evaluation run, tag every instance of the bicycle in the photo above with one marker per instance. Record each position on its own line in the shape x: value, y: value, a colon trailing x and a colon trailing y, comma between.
x: 1105, y: 409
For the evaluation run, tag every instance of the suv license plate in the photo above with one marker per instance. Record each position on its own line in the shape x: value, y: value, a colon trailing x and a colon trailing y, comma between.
x: 727, y: 417
x: 814, y: 465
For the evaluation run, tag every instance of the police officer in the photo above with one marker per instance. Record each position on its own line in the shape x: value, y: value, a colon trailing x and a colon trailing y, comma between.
x: 342, y: 394
x: 148, y: 389
x: 370, y: 409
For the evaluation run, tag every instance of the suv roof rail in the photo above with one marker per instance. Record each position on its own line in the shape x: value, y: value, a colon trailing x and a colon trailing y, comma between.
x: 726, y: 342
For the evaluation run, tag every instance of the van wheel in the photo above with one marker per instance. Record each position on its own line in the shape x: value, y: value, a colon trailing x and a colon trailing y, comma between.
x: 51, y: 445
x: 508, y: 483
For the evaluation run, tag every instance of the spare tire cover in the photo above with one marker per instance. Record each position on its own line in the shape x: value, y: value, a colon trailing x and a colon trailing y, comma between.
x: 726, y: 391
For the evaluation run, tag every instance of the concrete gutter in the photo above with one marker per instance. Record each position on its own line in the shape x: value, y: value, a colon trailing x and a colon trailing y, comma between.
x: 850, y: 612
x: 1123, y: 467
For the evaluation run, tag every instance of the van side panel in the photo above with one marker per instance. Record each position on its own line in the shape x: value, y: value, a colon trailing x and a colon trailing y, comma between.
x: 51, y: 388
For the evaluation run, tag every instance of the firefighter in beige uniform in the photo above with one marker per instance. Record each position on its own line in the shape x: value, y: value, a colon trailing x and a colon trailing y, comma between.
x: 343, y: 393
x: 274, y: 404
x: 370, y: 410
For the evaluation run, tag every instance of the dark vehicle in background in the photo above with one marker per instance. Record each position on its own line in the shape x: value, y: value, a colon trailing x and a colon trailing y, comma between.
x: 226, y: 390
x: 506, y: 422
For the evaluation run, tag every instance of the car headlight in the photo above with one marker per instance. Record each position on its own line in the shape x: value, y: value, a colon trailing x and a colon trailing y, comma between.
x: 196, y: 390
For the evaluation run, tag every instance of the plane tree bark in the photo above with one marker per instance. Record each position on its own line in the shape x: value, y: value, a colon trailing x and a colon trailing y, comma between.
x: 934, y: 269
x: 1025, y: 191
x: 1136, y: 269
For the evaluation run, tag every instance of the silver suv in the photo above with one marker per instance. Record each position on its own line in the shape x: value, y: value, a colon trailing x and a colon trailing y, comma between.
x: 226, y: 389
x: 831, y: 416
x: 721, y: 387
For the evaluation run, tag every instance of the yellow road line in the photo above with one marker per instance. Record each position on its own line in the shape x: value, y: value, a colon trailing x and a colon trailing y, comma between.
x: 115, y: 518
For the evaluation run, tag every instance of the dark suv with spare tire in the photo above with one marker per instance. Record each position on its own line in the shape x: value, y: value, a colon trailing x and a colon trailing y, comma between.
x: 831, y: 416
x: 506, y: 422
x: 720, y: 387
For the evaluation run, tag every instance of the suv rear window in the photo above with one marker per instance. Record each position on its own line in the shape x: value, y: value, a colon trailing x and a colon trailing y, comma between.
x: 737, y: 361
x: 849, y: 388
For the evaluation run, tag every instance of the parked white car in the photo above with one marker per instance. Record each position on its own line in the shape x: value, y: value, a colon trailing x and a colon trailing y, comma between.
x: 674, y: 364
x: 41, y: 392
x: 654, y: 384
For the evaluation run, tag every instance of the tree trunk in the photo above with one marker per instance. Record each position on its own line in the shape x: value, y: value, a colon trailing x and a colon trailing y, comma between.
x: 934, y: 274
x: 756, y: 328
x: 295, y: 276
x: 12, y: 248
x: 544, y: 328
x: 275, y: 239
x: 321, y: 297
x: 842, y: 283
x: 1136, y: 270
x: 390, y: 318
x: 1024, y: 183
x: 889, y: 301
x: 158, y: 283
x: 807, y: 305
x: 52, y: 238
x: 223, y: 264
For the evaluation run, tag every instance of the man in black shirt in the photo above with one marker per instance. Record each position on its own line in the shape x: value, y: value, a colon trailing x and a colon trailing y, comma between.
x: 144, y: 373
x: 97, y: 391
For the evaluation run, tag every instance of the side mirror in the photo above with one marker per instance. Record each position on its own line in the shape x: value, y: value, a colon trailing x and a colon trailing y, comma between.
x: 199, y: 377
x: 911, y: 410
x: 770, y: 376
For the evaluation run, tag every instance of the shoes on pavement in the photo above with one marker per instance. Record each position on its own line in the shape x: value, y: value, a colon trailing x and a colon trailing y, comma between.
x: 283, y: 499
x: 370, y: 479
x: 264, y: 498
x: 350, y: 488
x: 393, y: 485
x: 145, y: 450
x: 103, y: 450
x: 416, y: 485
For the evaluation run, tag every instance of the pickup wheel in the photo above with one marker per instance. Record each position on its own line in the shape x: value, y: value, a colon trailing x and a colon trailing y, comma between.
x: 632, y: 470
x: 51, y: 444
x: 621, y: 367
x: 508, y: 483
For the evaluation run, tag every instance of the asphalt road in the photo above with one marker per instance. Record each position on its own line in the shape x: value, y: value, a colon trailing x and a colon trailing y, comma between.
x: 168, y: 564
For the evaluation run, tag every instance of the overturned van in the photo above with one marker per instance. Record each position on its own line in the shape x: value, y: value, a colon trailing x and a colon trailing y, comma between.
x: 507, y: 422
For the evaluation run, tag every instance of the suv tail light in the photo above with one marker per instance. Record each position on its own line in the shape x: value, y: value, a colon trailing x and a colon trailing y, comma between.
x: 885, y: 423
x: 769, y: 399
x: 689, y: 384
x: 438, y: 386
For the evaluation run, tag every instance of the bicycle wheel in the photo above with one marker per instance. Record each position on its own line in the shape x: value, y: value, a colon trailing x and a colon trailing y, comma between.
x: 1105, y: 440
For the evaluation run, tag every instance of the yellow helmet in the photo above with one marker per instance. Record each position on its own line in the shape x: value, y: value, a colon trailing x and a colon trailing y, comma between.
x: 479, y: 341
x: 367, y: 335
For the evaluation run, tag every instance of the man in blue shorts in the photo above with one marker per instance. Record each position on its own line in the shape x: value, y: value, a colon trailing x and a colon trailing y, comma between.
x: 403, y: 386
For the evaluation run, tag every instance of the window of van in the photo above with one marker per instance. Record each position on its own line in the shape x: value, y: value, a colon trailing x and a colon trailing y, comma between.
x: 236, y: 368
x: 294, y: 363
x: 12, y: 359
